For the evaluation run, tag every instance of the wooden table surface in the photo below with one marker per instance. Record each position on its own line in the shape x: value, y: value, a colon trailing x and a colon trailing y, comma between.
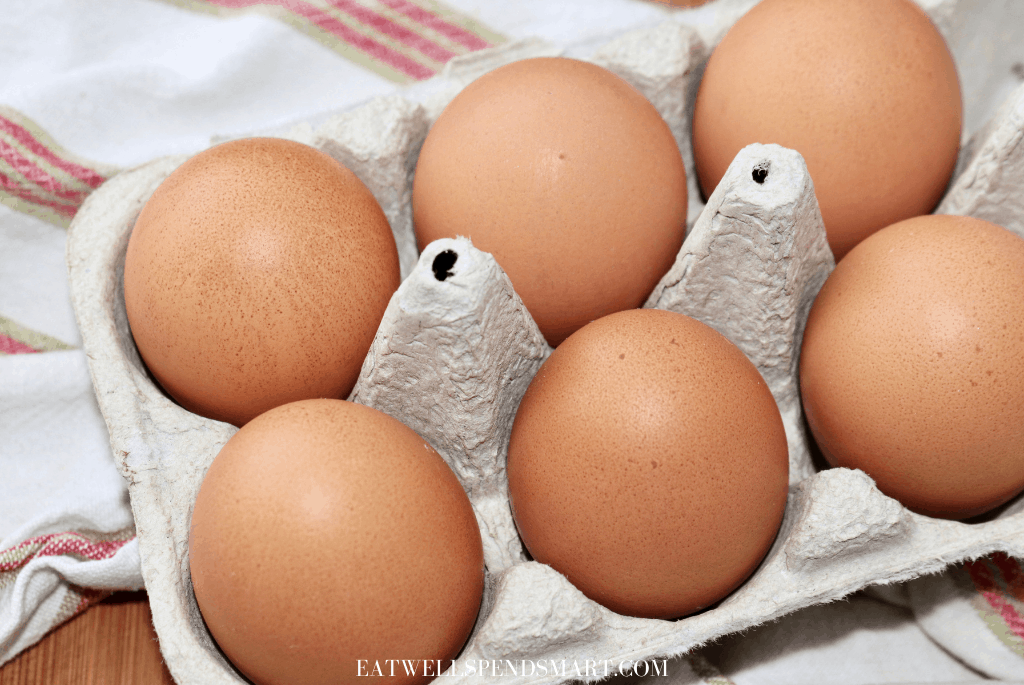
x: 110, y: 643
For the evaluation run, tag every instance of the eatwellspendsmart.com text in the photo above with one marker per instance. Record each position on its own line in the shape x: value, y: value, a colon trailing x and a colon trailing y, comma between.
x: 498, y: 668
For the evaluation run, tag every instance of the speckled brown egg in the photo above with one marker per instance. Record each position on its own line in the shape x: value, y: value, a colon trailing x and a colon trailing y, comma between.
x: 328, y: 538
x: 648, y: 464
x: 568, y: 176
x: 912, y: 366
x: 257, y: 274
x: 865, y: 90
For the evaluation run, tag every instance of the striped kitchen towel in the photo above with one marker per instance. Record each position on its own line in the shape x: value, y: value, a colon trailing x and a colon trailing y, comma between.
x: 91, y: 88
x: 50, y: 578
x: 975, y: 610
x: 66, y: 532
x: 401, y: 40
x: 38, y: 176
x: 66, y: 527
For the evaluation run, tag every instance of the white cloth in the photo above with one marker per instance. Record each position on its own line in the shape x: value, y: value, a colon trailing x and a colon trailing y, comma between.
x: 951, y: 610
x: 852, y: 642
x: 124, y: 81
x: 65, y: 523
x: 117, y: 84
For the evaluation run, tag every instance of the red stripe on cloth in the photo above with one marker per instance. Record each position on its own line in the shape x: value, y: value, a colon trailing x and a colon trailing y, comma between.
x: 16, y: 189
x: 88, y: 176
x: 88, y: 597
x: 986, y: 585
x: 58, y: 544
x: 377, y: 51
x: 436, y: 23
x: 394, y: 30
x: 9, y: 345
x: 1012, y: 574
x: 27, y: 168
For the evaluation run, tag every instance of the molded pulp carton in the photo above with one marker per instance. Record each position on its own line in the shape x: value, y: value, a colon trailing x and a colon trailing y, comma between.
x: 453, y: 357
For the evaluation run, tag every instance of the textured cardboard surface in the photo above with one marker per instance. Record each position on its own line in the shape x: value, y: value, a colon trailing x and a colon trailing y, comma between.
x: 453, y: 357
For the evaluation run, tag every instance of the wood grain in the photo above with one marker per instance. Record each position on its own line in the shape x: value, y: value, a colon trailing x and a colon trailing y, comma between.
x: 110, y: 643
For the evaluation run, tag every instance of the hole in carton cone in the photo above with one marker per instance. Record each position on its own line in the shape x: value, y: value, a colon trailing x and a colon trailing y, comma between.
x: 761, y: 171
x: 443, y: 262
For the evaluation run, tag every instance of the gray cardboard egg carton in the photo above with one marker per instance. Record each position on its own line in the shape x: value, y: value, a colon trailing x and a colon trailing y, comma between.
x: 456, y: 350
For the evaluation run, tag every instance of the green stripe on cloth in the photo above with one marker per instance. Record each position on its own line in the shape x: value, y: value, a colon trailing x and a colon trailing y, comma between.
x: 463, y: 21
x: 39, y: 177
x: 993, y: 598
x: 39, y: 211
x: 400, y: 40
x: 34, y: 339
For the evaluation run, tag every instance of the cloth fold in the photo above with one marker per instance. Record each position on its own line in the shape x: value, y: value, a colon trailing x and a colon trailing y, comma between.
x: 975, y: 610
x: 89, y: 88
x: 66, y: 527
x: 851, y: 642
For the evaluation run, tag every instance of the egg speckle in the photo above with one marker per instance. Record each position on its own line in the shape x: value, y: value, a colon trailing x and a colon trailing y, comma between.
x: 866, y: 90
x: 648, y: 463
x: 912, y: 364
x: 568, y: 176
x: 257, y: 274
x: 324, y: 536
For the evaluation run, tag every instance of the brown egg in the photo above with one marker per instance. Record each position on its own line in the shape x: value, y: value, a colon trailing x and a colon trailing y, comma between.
x: 568, y: 176
x: 912, y: 366
x: 865, y: 90
x: 257, y: 274
x: 648, y: 464
x: 327, y: 538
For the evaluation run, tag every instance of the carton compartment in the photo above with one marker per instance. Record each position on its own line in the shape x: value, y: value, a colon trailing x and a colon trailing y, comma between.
x: 456, y: 350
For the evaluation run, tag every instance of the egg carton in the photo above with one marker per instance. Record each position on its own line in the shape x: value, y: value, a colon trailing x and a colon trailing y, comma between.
x: 456, y: 350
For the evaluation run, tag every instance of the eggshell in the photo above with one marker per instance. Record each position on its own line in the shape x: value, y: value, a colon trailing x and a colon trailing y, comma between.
x: 256, y: 275
x: 454, y: 356
x: 568, y: 176
x: 865, y: 90
x: 912, y: 367
x: 654, y: 407
x: 327, y: 535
